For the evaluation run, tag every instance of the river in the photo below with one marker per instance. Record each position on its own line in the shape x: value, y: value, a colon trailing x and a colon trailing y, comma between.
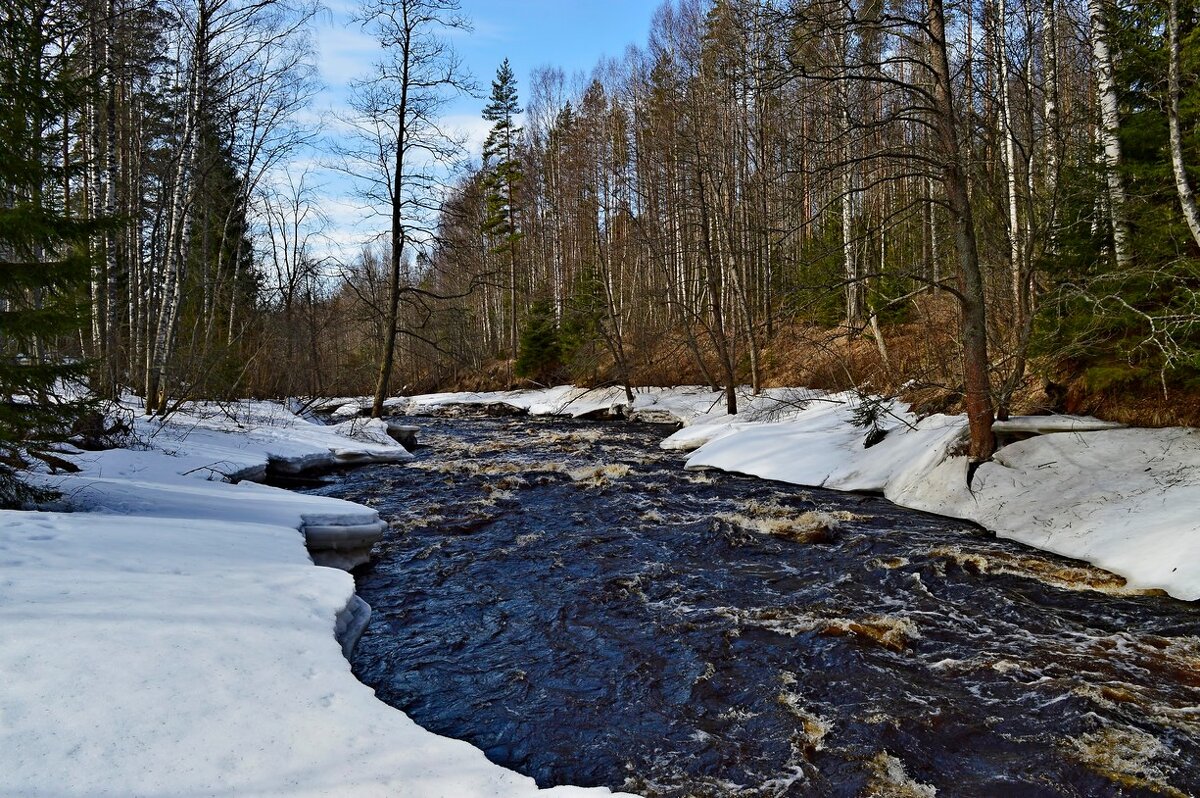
x: 570, y: 600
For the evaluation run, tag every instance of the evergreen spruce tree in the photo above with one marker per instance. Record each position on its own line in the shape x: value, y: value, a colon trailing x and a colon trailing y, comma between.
x: 541, y: 352
x: 503, y: 171
x: 43, y: 252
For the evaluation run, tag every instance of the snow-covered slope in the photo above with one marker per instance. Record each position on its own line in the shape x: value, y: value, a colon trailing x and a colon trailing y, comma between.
x: 1123, y: 499
x: 173, y: 638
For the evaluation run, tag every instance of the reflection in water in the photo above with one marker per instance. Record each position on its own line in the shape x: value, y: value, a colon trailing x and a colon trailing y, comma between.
x: 568, y: 599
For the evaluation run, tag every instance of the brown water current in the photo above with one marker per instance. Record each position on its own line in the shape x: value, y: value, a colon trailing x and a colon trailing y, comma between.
x: 567, y: 598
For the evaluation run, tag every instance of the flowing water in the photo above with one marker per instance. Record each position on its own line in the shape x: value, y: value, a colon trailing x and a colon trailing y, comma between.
x: 569, y: 599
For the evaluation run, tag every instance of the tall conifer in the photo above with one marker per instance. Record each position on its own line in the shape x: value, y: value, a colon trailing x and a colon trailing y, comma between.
x: 503, y: 178
x: 43, y: 252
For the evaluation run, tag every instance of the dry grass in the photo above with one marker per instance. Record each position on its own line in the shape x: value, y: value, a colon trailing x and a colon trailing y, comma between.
x: 922, y: 368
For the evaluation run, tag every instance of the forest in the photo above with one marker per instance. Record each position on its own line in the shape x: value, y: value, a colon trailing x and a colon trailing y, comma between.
x: 979, y: 205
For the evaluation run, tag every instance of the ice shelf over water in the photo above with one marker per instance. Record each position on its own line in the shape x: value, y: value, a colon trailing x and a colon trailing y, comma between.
x: 172, y: 637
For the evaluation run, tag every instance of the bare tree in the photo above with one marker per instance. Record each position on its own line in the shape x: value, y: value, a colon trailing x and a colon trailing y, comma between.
x: 944, y: 119
x: 400, y: 137
x: 294, y: 223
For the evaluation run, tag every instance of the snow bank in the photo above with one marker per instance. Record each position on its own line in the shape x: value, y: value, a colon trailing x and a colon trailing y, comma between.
x: 1122, y: 499
x: 175, y: 656
x: 185, y: 462
x: 174, y: 638
x: 686, y: 404
x: 564, y: 400
x: 1125, y: 500
x: 267, y: 432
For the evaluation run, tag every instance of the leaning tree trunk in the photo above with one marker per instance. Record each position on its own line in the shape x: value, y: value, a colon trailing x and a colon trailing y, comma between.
x: 1187, y: 198
x: 977, y: 387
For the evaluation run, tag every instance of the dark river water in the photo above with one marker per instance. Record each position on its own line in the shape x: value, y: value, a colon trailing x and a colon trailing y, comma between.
x: 569, y: 599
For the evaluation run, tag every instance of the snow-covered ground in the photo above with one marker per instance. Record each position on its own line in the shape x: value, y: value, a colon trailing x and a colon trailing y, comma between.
x: 1123, y: 499
x: 172, y: 637
x: 687, y: 404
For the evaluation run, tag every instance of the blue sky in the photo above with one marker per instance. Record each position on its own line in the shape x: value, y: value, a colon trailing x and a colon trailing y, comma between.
x: 570, y: 34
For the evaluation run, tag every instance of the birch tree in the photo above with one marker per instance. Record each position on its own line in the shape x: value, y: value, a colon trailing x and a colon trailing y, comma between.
x: 1108, y: 130
x: 244, y: 70
x: 1183, y: 185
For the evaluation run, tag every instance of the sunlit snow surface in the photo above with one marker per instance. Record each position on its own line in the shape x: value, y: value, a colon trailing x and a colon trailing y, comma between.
x: 173, y: 638
x: 570, y: 599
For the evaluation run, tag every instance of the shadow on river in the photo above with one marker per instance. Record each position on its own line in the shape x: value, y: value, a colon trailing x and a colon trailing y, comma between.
x: 567, y: 598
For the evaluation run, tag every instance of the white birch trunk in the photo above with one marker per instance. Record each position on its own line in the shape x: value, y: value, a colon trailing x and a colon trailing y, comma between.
x: 1010, y: 160
x: 95, y: 193
x: 1110, y: 125
x: 112, y: 299
x: 1050, y: 94
x: 853, y: 298
x: 1187, y: 198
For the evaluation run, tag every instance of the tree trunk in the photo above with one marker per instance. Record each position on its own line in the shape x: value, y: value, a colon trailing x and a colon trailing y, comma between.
x: 387, y: 361
x: 112, y: 303
x: 1110, y: 125
x: 1015, y: 249
x: 977, y: 387
x: 1187, y: 198
x: 1050, y: 99
x: 847, y: 198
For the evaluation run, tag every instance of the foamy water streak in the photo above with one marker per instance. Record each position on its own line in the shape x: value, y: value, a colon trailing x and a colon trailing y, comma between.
x: 567, y: 598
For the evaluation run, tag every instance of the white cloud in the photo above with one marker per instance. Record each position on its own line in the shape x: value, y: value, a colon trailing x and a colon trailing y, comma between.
x: 473, y: 129
x: 346, y: 52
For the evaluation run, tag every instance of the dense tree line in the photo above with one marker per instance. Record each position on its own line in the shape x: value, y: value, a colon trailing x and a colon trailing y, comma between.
x: 1023, y: 165
x: 960, y: 198
x: 178, y: 111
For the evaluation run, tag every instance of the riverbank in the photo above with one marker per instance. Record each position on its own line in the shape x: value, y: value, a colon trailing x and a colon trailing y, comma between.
x: 165, y: 631
x: 1123, y: 499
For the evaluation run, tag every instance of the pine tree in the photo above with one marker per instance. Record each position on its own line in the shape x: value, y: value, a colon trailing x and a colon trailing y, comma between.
x: 43, y: 253
x: 503, y: 178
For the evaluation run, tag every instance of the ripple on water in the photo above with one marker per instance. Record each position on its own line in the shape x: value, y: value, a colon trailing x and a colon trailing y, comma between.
x: 570, y: 600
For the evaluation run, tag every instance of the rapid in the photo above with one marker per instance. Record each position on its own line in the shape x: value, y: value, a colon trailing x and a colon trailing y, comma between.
x: 569, y: 599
